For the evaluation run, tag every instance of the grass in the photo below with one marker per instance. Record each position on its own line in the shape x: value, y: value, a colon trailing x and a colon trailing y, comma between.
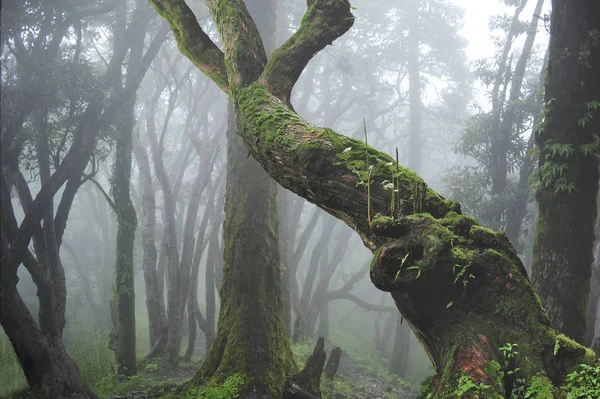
x: 11, y: 374
x: 88, y: 348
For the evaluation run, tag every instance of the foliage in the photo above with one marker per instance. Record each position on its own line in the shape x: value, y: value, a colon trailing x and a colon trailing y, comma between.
x: 583, y: 383
x: 230, y: 389
x: 468, y: 388
x: 590, y: 109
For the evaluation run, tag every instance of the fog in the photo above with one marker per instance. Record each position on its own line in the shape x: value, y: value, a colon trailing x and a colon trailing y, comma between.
x: 119, y: 159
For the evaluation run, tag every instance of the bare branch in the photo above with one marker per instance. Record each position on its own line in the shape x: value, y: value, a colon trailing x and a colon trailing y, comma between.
x: 104, y: 194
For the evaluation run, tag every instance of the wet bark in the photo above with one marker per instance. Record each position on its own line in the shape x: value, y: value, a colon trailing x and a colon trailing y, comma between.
x: 251, y: 338
x: 564, y: 242
x: 285, y: 226
x: 124, y: 296
x: 468, y: 294
x: 307, y: 383
x: 333, y: 362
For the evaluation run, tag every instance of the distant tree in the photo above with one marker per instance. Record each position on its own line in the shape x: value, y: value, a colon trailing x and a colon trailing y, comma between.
x: 496, y: 190
x: 56, y: 108
x: 434, y: 53
x: 123, y: 335
x: 178, y: 246
x: 461, y: 320
x: 569, y: 150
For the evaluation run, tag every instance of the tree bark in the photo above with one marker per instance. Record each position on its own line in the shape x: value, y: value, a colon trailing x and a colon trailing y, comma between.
x: 251, y: 327
x: 399, y: 360
x: 462, y: 321
x: 333, y: 362
x: 564, y: 242
x: 124, y: 295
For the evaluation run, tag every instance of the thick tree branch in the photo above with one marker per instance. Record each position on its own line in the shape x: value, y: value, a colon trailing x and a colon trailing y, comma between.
x: 461, y: 287
x: 324, y: 22
x: 245, y: 56
x: 192, y: 41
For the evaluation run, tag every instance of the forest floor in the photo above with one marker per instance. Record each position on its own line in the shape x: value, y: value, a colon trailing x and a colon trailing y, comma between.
x: 352, y: 381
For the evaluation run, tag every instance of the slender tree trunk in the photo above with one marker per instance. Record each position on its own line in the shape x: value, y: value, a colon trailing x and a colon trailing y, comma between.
x: 399, y: 360
x: 592, y: 311
x: 323, y: 329
x: 498, y: 170
x: 414, y: 89
x: 564, y: 243
x: 194, y: 314
x: 124, y: 296
x: 308, y: 315
x: 285, y: 202
x: 154, y: 300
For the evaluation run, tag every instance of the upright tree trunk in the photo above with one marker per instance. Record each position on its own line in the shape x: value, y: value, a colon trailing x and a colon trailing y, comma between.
x: 124, y: 294
x: 564, y: 243
x: 400, y: 352
x: 323, y: 328
x: 498, y: 170
x: 414, y: 87
x: 213, y: 262
x: 46, y: 364
x: 154, y: 299
x: 285, y: 202
x: 251, y: 338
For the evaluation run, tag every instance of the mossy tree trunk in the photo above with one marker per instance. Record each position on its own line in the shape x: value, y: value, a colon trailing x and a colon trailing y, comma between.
x: 251, y: 337
x: 461, y: 287
x: 123, y: 334
x: 568, y: 166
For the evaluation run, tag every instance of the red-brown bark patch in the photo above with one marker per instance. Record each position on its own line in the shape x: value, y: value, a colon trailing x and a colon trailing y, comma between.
x: 472, y: 359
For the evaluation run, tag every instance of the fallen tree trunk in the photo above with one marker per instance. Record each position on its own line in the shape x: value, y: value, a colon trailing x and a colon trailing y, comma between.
x: 461, y: 287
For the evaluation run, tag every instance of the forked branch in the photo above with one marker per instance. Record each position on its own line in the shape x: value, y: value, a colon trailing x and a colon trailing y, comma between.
x: 323, y: 22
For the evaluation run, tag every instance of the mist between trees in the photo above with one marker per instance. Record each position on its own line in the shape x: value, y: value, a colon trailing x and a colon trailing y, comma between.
x: 161, y: 163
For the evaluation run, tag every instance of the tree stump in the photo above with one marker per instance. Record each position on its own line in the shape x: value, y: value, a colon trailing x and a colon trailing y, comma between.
x: 333, y: 362
x: 307, y: 383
